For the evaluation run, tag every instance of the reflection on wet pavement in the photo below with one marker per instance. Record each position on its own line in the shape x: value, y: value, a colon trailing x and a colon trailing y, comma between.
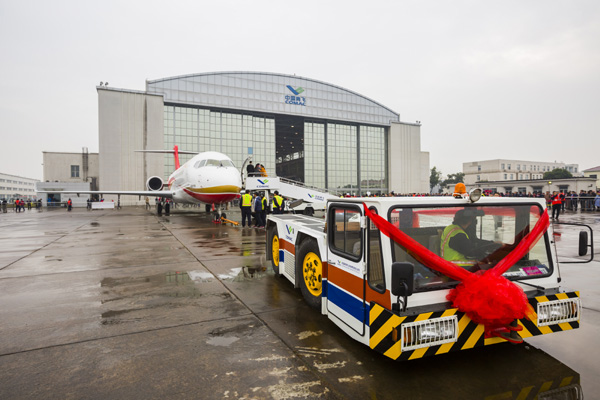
x: 130, y: 305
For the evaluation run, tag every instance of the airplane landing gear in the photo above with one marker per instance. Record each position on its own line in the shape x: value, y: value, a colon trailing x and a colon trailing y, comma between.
x: 218, y: 215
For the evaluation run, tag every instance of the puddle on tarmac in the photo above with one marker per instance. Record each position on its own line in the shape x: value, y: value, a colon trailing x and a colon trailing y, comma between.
x: 138, y: 296
x: 245, y: 273
x: 110, y: 314
x: 143, y: 249
x: 172, y: 277
x: 250, y: 248
x: 225, y: 336
x: 200, y: 276
x: 212, y: 235
x: 222, y: 340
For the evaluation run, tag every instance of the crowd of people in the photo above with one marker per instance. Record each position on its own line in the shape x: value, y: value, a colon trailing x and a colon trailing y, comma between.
x: 255, y: 206
x: 255, y: 170
x: 584, y: 201
x: 19, y: 205
x: 162, y: 203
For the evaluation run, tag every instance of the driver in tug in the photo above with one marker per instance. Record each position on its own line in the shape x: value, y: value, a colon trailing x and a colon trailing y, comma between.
x: 459, y: 243
x: 460, y: 246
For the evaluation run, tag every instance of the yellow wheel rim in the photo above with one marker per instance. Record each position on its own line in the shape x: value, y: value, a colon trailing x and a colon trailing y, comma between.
x: 275, y: 250
x: 312, y: 272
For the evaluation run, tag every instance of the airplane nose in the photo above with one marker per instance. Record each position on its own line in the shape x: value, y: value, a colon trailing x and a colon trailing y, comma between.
x: 230, y: 177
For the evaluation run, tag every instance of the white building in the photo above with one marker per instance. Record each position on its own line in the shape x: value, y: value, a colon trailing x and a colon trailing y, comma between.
x: 71, y: 167
x: 14, y: 187
x: 575, y: 184
x: 593, y: 173
x: 69, y: 171
x: 298, y: 128
x: 511, y: 170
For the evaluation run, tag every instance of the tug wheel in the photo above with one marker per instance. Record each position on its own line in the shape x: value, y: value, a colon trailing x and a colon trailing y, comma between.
x: 310, y: 266
x: 273, y: 240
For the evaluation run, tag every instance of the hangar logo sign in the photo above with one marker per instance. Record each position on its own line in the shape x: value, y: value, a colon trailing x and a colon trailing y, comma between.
x: 295, y: 98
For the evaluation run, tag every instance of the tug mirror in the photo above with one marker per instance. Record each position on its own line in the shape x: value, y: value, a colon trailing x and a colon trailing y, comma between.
x: 402, y: 278
x: 586, y: 243
x: 583, y: 243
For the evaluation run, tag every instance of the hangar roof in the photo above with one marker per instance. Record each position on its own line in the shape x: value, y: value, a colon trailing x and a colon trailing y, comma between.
x: 273, y: 94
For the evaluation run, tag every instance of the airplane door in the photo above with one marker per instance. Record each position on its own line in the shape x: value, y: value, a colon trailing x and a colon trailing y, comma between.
x: 346, y: 266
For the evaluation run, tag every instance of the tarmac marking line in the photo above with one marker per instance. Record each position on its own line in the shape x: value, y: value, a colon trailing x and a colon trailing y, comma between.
x: 121, y: 335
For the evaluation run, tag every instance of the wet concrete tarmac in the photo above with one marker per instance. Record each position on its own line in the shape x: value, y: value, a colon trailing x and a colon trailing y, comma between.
x: 127, y: 305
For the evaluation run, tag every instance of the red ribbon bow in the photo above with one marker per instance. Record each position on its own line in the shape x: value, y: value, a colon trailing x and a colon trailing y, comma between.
x: 486, y: 297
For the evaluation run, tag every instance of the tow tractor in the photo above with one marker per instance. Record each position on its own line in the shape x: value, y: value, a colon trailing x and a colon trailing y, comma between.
x: 379, y: 269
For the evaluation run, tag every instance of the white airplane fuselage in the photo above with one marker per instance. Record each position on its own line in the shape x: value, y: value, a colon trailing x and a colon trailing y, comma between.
x: 209, y: 177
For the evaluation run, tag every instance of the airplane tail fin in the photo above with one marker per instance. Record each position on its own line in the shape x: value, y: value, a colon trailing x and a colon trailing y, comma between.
x: 176, y: 154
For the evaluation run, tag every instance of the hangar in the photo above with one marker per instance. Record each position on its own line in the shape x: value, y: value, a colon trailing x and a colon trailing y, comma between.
x: 302, y: 129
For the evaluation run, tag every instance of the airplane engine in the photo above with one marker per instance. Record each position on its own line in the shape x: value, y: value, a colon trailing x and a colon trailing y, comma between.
x: 154, y: 183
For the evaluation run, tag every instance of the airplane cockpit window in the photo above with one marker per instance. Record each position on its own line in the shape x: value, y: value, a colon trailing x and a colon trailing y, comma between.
x: 200, y: 164
x: 219, y: 163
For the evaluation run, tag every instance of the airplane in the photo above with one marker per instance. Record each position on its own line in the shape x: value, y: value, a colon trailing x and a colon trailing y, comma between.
x: 209, y: 177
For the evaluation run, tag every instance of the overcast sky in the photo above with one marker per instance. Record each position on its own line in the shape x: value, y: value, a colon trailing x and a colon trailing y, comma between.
x: 487, y: 79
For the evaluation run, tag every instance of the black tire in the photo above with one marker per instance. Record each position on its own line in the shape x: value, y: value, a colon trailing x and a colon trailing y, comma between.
x: 273, y: 248
x: 309, y: 211
x: 223, y: 215
x: 310, y: 272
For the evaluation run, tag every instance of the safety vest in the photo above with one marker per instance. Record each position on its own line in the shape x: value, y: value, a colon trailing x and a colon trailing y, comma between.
x: 556, y: 200
x: 278, y: 201
x: 264, y: 203
x: 448, y: 253
x: 247, y: 200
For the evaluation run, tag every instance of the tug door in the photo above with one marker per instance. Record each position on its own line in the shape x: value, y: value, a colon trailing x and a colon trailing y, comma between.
x: 346, y: 267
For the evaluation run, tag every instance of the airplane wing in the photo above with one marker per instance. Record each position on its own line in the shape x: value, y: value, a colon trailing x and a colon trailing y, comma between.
x: 150, y: 193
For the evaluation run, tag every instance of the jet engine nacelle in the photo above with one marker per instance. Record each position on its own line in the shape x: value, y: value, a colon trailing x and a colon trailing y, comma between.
x: 154, y: 183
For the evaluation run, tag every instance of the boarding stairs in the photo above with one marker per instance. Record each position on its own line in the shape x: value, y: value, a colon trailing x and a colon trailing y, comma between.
x: 310, y: 196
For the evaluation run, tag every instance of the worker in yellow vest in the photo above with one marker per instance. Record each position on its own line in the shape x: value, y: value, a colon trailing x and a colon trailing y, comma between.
x: 277, y: 203
x: 246, y: 206
x: 459, y: 243
x: 265, y: 205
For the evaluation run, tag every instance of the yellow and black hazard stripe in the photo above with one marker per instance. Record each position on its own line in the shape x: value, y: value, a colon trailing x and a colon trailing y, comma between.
x: 386, y: 337
x: 566, y: 388
x: 385, y: 330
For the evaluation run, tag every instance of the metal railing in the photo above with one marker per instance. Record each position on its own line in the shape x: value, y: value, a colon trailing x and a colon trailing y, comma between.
x: 583, y: 203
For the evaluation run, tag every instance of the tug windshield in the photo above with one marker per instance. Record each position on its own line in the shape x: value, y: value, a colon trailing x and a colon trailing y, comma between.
x: 474, y: 238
